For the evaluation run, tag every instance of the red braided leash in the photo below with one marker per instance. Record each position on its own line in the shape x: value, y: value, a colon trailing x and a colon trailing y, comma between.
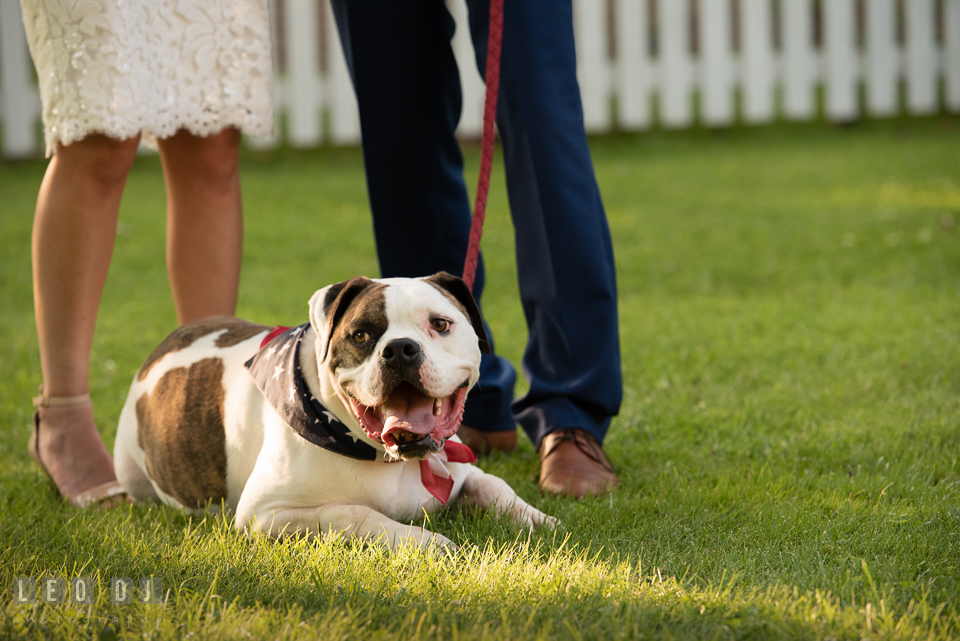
x: 492, y: 80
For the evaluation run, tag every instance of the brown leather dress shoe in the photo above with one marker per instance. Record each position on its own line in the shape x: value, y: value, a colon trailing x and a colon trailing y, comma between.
x: 572, y: 463
x: 485, y: 442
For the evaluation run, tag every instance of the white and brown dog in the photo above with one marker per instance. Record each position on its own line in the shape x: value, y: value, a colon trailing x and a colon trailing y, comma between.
x: 344, y: 424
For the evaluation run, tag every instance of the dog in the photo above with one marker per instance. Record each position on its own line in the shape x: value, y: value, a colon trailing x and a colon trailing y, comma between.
x: 344, y: 424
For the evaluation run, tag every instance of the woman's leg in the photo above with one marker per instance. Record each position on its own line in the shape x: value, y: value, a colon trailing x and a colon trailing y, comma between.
x: 204, y: 222
x: 73, y: 235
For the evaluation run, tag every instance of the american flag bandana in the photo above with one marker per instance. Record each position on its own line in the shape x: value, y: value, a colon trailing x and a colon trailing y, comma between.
x: 276, y: 371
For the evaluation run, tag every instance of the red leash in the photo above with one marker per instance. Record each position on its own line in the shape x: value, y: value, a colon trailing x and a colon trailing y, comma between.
x: 492, y: 80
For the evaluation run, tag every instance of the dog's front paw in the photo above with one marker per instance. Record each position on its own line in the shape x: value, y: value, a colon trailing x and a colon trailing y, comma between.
x: 434, y: 542
x: 547, y: 521
x: 424, y: 540
x: 441, y: 545
x: 532, y: 518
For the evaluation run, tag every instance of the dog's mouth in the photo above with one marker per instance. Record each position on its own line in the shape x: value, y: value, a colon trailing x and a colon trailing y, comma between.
x: 410, y: 423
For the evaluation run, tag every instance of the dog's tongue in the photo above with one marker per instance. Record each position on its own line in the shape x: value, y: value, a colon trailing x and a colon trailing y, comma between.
x: 408, y: 409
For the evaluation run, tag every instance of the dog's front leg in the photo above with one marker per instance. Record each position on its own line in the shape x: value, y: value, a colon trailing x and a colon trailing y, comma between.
x: 486, y: 490
x: 349, y: 520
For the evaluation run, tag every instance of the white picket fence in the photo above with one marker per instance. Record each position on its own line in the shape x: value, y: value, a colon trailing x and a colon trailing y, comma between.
x: 642, y: 63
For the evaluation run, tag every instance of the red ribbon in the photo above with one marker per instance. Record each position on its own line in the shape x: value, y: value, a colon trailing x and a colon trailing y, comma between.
x: 438, y: 486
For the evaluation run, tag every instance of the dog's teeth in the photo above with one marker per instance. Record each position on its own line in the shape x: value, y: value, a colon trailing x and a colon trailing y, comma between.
x: 437, y: 406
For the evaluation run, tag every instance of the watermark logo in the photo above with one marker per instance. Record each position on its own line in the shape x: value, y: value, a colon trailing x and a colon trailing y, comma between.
x: 53, y: 591
x: 83, y: 590
x: 150, y: 590
x: 25, y: 590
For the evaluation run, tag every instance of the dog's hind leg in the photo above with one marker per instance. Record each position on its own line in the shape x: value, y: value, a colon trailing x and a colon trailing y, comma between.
x: 129, y: 473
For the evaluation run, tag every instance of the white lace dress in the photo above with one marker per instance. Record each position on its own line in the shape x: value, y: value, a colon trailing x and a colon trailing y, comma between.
x: 122, y: 67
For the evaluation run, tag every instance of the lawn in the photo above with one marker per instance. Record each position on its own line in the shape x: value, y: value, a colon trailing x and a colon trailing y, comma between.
x: 787, y: 448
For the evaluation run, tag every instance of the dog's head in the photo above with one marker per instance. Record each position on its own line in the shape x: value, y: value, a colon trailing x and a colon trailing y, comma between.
x: 401, y: 353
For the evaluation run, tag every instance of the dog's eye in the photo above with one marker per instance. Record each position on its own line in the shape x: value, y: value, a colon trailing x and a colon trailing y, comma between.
x: 440, y: 325
x: 360, y: 337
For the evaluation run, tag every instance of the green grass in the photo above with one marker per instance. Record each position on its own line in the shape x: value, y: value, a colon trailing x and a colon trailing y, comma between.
x: 787, y: 449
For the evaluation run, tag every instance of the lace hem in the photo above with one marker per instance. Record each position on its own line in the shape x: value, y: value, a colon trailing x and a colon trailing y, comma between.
x: 121, y: 67
x: 67, y: 135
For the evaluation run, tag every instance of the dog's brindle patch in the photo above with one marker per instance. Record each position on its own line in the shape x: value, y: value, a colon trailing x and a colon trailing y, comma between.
x: 238, y: 330
x: 180, y: 430
x: 367, y: 312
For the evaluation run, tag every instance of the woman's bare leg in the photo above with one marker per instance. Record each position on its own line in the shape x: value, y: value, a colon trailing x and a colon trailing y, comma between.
x: 204, y: 222
x: 73, y: 235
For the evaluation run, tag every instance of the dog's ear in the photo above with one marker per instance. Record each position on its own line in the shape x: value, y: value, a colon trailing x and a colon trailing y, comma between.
x: 329, y: 305
x: 458, y: 289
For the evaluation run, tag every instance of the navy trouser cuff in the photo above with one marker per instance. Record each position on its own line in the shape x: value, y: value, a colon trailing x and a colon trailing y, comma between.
x: 559, y: 413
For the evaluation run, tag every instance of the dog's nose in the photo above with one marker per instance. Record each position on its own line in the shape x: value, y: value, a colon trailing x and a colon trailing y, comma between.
x: 402, y: 352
